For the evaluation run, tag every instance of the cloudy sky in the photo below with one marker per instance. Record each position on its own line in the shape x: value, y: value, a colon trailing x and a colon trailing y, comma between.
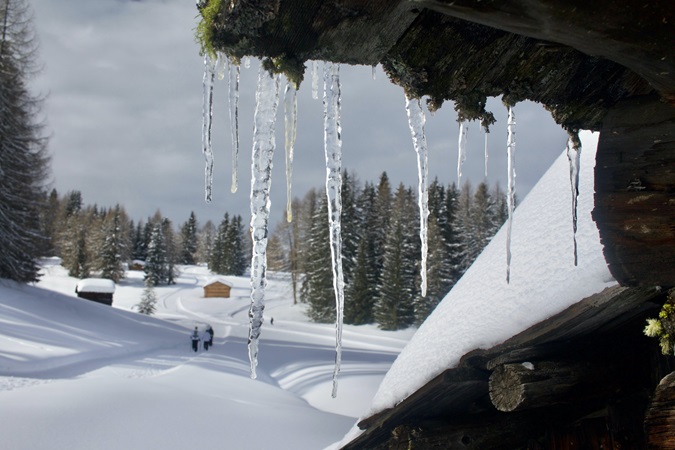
x: 123, y: 81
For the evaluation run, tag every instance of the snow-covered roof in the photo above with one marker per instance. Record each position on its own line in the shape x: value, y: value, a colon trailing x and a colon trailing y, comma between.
x: 482, y: 310
x: 98, y: 285
x: 220, y: 280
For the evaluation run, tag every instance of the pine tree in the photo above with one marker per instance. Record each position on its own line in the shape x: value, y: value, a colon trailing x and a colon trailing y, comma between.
x: 439, y: 273
x: 350, y: 225
x: 218, y: 258
x: 156, y: 264
x: 205, y: 242
x: 113, y: 247
x: 236, y: 259
x: 379, y: 223
x: 188, y: 239
x: 394, y: 307
x: 170, y: 249
x: 148, y: 303
x: 317, y: 289
x: 23, y: 158
x: 139, y: 245
x: 361, y: 292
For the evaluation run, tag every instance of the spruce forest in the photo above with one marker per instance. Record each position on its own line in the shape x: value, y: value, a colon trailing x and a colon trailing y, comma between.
x: 381, y: 248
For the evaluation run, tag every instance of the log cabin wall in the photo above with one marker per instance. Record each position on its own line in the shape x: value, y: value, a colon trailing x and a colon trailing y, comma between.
x: 635, y: 192
x: 217, y: 290
x: 98, y: 297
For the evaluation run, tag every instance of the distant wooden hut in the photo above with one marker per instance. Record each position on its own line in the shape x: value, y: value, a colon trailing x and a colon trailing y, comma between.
x: 137, y: 264
x: 217, y: 287
x: 100, y: 290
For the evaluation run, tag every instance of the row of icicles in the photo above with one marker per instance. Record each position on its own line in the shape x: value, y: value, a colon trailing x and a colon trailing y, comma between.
x: 267, y: 99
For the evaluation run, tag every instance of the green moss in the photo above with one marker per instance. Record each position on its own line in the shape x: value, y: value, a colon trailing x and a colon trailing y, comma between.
x: 293, y: 69
x: 205, y: 30
x: 663, y: 328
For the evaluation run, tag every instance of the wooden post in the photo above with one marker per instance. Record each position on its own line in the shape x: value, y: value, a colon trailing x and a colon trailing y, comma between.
x: 515, y: 387
x: 660, y: 418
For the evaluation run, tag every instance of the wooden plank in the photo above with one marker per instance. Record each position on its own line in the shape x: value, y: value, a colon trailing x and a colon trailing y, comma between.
x: 635, y: 192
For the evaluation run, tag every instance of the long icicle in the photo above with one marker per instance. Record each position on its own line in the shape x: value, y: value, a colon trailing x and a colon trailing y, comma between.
x: 315, y: 80
x: 461, y: 153
x: 574, y: 157
x: 233, y: 94
x: 416, y: 121
x: 333, y: 150
x: 511, y: 193
x: 207, y: 116
x: 290, y: 126
x: 486, y: 152
x: 267, y: 99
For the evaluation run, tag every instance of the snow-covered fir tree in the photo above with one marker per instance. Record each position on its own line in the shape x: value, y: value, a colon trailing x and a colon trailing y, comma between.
x: 205, y: 238
x: 188, y: 240
x: 170, y: 249
x: 317, y: 288
x: 218, y: 257
x: 156, y: 264
x: 113, y: 247
x: 235, y: 261
x: 361, y: 292
x: 394, y: 307
x: 439, y: 273
x: 23, y: 158
x: 350, y: 222
x: 148, y: 303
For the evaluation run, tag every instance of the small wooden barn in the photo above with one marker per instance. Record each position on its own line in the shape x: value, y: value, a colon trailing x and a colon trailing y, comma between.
x: 217, y: 287
x: 100, y: 290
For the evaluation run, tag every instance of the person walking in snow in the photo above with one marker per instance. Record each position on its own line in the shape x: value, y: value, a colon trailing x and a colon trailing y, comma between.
x: 206, y: 338
x: 195, y: 339
x: 209, y: 334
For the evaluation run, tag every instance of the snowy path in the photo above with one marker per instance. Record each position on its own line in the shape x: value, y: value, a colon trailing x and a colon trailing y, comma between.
x: 78, y: 375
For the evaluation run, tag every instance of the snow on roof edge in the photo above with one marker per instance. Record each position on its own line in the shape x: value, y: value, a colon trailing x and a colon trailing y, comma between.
x: 482, y: 310
x: 218, y: 279
x: 97, y: 285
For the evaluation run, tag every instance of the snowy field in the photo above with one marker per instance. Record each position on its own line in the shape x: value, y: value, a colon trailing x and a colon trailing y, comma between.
x: 78, y: 375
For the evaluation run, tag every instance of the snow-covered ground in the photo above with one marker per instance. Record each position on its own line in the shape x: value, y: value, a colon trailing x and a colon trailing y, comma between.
x: 78, y: 375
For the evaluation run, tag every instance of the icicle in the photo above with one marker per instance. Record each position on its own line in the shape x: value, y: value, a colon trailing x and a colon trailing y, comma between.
x: 574, y: 157
x: 247, y: 62
x: 207, y: 115
x: 267, y: 98
x: 315, y: 80
x: 416, y: 121
x: 221, y: 64
x: 290, y: 124
x: 333, y: 149
x: 461, y: 155
x: 511, y: 193
x: 233, y: 93
x: 486, y: 152
x: 374, y: 70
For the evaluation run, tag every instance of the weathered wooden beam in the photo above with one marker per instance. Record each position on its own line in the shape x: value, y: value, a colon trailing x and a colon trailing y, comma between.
x: 634, y: 35
x: 660, y: 419
x: 635, y: 192
x: 515, y: 387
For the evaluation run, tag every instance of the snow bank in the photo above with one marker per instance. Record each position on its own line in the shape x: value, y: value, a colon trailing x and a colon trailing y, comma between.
x: 482, y: 310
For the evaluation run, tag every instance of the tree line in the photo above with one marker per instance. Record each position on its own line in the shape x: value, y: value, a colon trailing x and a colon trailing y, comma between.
x: 90, y: 239
x: 381, y: 248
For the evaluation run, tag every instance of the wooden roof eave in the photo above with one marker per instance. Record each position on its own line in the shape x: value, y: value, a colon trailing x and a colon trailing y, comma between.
x: 461, y: 389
